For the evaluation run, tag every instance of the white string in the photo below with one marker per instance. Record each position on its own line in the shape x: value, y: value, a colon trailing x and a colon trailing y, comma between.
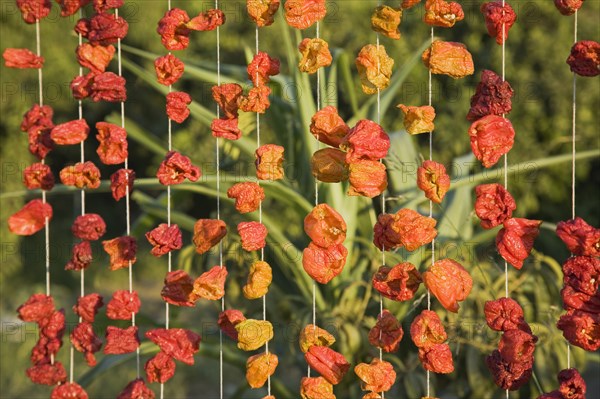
x: 382, y: 194
x: 260, y: 213
x: 218, y: 161
x: 430, y: 98
x: 169, y: 255
x: 573, y: 153
x: 505, y: 155
x: 127, y: 199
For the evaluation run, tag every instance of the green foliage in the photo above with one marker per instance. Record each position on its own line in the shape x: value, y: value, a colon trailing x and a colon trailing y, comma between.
x: 348, y: 307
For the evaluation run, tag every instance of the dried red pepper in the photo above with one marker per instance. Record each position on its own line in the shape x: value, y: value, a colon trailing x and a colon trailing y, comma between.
x: 226, y: 128
x: 81, y: 175
x: 515, y: 240
x: 22, y: 58
x: 437, y: 359
x: 69, y: 390
x: 269, y: 162
x: 81, y: 256
x: 121, y: 182
x: 433, y: 180
x: 247, y: 195
x: 568, y: 7
x: 253, y: 235
x: 228, y: 97
x: 261, y: 68
x: 30, y: 219
x: 418, y: 120
x: 580, y: 237
x: 102, y: 28
x: 386, y: 20
x: 88, y: 306
x: 160, y: 368
x: 581, y: 329
x: 178, y: 343
x: 177, y: 106
x: 448, y: 58
x: 377, y: 376
x: 493, y: 205
x: 262, y: 11
x: 507, y: 375
x: 517, y: 346
x: 302, y: 14
x: 88, y: 227
x: 178, y: 289
x: 492, y: 97
x: 259, y: 368
x: 211, y: 284
x: 323, y: 264
x: 175, y: 168
x: 47, y: 373
x: 252, y: 334
x: 504, y: 314
x: 38, y: 175
x: 112, y: 148
x: 367, y: 178
x: 227, y: 321
x: 95, y: 57
x: 32, y: 10
x: 449, y: 282
x: 325, y: 226
x: 491, y: 137
x: 121, y: 340
x: 122, y: 251
x: 499, y: 18
x: 208, y: 233
x: 329, y: 165
x: 386, y: 334
x: 398, y: 283
x: 36, y: 308
x: 123, y: 305
x: 259, y: 280
x: 169, y: 69
x: 427, y: 330
x: 136, y: 389
x: 164, y: 239
x: 582, y: 273
x: 311, y: 335
x: 257, y: 100
x: 442, y: 13
x: 85, y: 340
x: 406, y: 228
x: 374, y: 68
x: 328, y: 127
x: 108, y: 87
x: 315, y: 54
x: 366, y: 140
x: 316, y: 388
x: 327, y: 362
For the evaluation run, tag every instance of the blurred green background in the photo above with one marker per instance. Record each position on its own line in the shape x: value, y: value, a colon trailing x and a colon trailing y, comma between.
x: 536, y: 51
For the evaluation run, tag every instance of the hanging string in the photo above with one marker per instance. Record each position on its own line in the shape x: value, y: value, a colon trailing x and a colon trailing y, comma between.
x: 505, y: 155
x: 82, y: 191
x: 314, y: 284
x: 382, y: 196
x: 218, y: 161
x: 260, y: 213
x: 127, y: 199
x: 38, y: 48
x: 573, y: 155
x: 429, y: 102
x: 169, y: 255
